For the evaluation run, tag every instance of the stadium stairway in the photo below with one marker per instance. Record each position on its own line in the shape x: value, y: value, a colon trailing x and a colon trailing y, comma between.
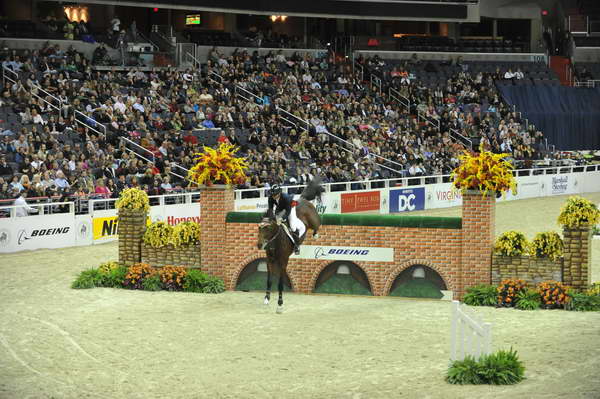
x: 561, y: 66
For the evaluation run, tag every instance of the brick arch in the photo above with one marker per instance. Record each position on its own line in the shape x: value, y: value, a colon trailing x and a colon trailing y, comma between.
x: 247, y: 260
x: 322, y: 266
x: 405, y: 265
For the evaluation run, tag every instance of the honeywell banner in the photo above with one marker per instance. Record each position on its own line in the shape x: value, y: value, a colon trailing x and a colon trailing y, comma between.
x: 35, y: 232
x: 354, y: 254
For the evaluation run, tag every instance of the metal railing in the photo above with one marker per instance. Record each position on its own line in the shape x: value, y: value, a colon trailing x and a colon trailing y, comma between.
x: 195, y: 62
x: 360, y: 68
x: 571, y: 25
x: 432, y: 120
x: 215, y: 77
x: 47, y: 208
x: 413, y: 181
x: 102, y: 204
x: 87, y: 119
x: 237, y: 89
x: 376, y: 82
x: 10, y: 75
x: 462, y: 139
x: 587, y: 83
x: 402, y: 100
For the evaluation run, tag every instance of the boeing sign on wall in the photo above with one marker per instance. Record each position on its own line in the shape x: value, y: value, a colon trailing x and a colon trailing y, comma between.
x: 342, y: 252
x: 407, y: 199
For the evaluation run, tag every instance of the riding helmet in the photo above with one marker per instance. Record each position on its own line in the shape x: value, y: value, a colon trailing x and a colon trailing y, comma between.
x: 275, y: 190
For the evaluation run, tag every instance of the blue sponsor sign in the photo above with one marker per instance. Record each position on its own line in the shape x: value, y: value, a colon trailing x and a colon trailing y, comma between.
x: 407, y: 199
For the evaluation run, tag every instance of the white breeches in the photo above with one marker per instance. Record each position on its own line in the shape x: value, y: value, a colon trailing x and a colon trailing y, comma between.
x: 296, y: 224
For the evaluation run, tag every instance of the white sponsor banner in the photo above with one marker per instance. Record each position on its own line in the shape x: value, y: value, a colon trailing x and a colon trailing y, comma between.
x: 441, y: 196
x: 354, y: 254
x: 591, y: 182
x: 330, y: 203
x: 175, y: 214
x: 83, y: 230
x: 561, y: 184
x: 35, y: 232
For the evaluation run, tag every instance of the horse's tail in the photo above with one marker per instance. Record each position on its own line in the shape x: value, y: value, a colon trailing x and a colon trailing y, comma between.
x: 313, y: 190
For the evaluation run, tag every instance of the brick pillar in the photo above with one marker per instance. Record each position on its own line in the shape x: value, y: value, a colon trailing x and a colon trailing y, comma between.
x: 132, y: 226
x: 577, y: 257
x: 478, y: 224
x: 215, y: 203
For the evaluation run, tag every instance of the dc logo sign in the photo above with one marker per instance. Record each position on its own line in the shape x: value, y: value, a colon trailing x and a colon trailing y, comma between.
x: 407, y: 199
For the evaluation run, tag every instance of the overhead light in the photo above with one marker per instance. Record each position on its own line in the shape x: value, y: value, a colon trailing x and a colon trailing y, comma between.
x: 282, y: 18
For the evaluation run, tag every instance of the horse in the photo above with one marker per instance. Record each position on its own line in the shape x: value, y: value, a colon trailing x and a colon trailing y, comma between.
x: 278, y: 246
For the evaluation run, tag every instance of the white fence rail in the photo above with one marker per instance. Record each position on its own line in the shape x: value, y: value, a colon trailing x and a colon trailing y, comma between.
x: 469, y: 335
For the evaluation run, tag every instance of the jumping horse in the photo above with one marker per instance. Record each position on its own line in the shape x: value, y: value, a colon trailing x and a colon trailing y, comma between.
x: 273, y: 238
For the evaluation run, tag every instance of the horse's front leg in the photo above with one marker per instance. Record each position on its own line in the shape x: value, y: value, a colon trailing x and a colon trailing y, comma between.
x: 280, y: 288
x: 268, y: 294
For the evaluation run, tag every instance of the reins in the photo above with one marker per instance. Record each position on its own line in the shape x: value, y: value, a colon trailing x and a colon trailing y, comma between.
x: 266, y: 245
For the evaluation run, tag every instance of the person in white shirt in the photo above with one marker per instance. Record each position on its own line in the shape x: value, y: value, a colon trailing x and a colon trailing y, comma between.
x: 138, y: 105
x: 116, y: 25
x: 509, y: 74
x: 519, y: 74
x: 23, y: 209
x: 119, y: 105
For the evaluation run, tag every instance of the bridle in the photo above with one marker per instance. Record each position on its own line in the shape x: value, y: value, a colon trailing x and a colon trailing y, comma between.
x: 264, y: 224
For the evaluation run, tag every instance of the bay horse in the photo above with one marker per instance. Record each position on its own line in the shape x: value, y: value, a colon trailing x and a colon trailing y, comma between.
x: 278, y: 246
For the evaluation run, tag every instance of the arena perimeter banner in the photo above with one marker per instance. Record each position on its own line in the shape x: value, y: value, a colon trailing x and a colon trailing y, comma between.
x: 361, y: 201
x: 407, y: 199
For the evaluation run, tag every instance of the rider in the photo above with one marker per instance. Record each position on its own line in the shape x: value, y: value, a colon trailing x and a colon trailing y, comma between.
x: 280, y: 206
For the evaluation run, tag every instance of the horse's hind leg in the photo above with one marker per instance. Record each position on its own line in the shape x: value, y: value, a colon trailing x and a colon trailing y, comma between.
x: 268, y: 294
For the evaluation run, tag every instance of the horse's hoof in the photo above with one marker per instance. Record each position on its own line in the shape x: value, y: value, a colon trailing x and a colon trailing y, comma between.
x: 279, y: 310
x: 316, y: 235
x: 266, y: 301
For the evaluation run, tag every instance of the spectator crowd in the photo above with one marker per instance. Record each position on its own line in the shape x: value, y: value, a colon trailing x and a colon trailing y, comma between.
x: 78, y: 131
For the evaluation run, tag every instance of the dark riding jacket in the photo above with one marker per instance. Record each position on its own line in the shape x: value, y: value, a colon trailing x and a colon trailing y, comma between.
x: 283, y: 207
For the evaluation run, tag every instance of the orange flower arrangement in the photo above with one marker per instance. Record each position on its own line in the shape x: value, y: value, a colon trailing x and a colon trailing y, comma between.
x: 484, y: 172
x: 172, y: 277
x: 554, y: 294
x: 134, y: 279
x: 508, y: 290
x: 219, y: 166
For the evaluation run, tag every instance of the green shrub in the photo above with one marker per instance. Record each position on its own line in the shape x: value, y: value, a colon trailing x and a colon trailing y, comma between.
x: 464, y: 371
x: 583, y: 302
x: 116, y: 277
x: 152, y: 283
x: 481, y: 295
x: 528, y: 300
x: 194, y: 281
x: 499, y: 368
x: 213, y: 285
x: 88, y: 279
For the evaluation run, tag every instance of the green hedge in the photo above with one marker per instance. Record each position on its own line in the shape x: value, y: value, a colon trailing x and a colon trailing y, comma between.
x: 428, y: 222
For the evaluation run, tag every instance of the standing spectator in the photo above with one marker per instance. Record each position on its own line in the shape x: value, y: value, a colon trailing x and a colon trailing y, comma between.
x: 24, y: 209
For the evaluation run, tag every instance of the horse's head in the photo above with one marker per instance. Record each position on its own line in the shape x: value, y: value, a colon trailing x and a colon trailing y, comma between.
x: 267, y: 230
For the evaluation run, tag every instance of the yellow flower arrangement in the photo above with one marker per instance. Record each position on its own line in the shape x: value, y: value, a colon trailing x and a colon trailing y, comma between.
x: 107, y: 267
x: 484, y: 172
x: 578, y: 212
x: 186, y: 233
x: 219, y: 166
x: 158, y: 234
x: 511, y: 243
x: 547, y: 245
x: 593, y: 290
x: 133, y: 199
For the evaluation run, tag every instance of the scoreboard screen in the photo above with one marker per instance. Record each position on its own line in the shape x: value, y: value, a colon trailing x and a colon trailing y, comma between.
x: 193, y: 19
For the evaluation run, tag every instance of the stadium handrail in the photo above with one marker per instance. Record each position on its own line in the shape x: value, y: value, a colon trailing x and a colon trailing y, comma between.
x: 14, y: 76
x: 412, y: 181
x: 45, y: 208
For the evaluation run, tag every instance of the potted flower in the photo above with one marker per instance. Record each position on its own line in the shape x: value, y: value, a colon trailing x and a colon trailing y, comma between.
x: 578, y: 214
x: 485, y: 172
x: 218, y: 166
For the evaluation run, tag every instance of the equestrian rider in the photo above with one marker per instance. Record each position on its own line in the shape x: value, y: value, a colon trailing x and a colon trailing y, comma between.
x: 280, y: 206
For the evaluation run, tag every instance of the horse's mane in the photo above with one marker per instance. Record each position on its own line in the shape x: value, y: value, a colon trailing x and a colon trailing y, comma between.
x: 313, y: 190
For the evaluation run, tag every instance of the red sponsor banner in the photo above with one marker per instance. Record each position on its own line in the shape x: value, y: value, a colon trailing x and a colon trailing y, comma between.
x: 360, y: 202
